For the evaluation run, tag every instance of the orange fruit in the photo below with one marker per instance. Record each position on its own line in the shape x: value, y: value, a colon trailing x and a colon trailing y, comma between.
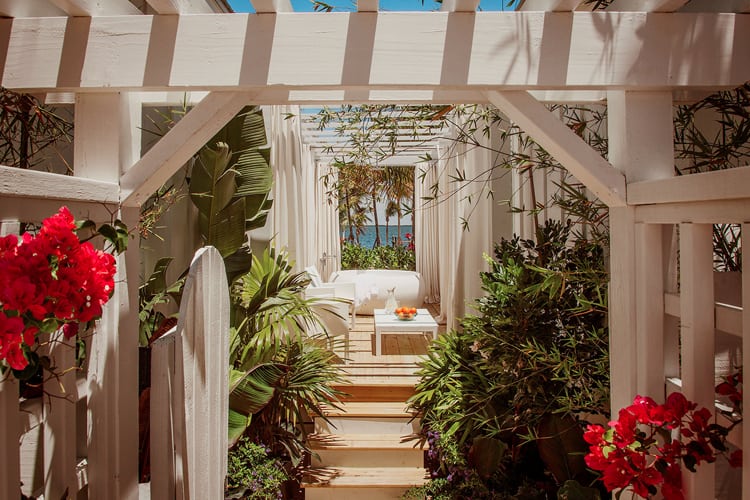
x: 413, y: 310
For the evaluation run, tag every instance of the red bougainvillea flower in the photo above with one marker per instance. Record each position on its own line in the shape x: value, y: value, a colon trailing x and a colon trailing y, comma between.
x: 48, y: 280
x: 637, y: 450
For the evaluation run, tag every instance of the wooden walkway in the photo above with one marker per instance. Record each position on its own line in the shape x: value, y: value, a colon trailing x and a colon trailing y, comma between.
x: 392, y: 373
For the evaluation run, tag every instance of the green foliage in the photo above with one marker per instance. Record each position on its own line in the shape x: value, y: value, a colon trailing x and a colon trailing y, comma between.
x: 354, y: 256
x: 523, y: 370
x: 278, y: 373
x: 152, y: 294
x: 253, y: 474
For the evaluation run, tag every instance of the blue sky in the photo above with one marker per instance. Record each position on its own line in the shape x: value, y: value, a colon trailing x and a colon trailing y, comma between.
x: 348, y: 5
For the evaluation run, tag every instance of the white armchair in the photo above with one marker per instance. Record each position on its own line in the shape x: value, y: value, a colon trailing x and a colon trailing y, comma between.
x: 344, y: 291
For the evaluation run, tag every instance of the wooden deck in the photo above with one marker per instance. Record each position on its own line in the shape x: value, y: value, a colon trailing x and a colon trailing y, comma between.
x: 391, y: 375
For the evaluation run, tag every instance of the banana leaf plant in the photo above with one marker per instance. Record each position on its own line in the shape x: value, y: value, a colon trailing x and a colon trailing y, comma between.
x: 229, y: 184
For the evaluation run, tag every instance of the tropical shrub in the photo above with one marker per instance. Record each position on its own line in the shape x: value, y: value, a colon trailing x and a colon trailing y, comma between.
x: 253, y: 473
x: 511, y: 387
x: 354, y: 256
x: 278, y: 373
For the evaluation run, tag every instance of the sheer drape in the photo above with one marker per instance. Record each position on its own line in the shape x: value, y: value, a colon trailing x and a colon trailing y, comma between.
x: 426, y: 230
x: 464, y: 233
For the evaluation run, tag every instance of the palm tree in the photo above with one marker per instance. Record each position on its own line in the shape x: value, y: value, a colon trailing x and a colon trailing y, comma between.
x: 392, y: 209
x: 400, y: 185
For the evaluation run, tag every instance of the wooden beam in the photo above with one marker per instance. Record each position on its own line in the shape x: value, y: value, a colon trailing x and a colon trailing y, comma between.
x: 16, y: 182
x: 649, y: 282
x: 307, y: 51
x: 697, y: 334
x: 29, y: 8
x: 272, y: 6
x: 179, y: 144
x: 728, y: 184
x: 172, y: 7
x: 699, y: 212
x: 646, y: 5
x: 459, y: 5
x: 563, y: 144
x: 717, y: 6
x: 89, y: 8
x: 549, y: 5
x: 367, y: 5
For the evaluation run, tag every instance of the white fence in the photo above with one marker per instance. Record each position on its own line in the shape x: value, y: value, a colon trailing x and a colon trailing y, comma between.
x: 188, y: 408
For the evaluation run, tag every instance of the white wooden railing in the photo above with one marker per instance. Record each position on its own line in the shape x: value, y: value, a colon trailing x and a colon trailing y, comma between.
x: 188, y: 407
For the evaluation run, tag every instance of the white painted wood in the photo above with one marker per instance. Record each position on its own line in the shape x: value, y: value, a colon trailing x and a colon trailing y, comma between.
x: 182, y: 6
x: 305, y: 51
x: 162, y: 416
x: 38, y: 209
x: 718, y: 185
x: 60, y: 421
x: 29, y: 8
x: 549, y: 5
x: 10, y: 436
x: 646, y: 5
x: 202, y: 363
x: 459, y: 5
x: 107, y: 137
x: 272, y: 6
x: 88, y: 8
x: 699, y: 212
x: 17, y: 182
x: 746, y: 348
x: 717, y: 6
x: 113, y: 384
x: 179, y: 145
x: 622, y: 309
x: 368, y: 5
x: 562, y: 143
x: 697, y: 334
x: 649, y: 283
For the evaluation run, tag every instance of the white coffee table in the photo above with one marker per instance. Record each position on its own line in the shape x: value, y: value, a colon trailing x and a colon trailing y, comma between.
x: 422, y: 322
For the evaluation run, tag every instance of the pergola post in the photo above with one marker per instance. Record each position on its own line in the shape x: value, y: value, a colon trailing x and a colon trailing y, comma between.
x: 641, y: 147
x: 107, y: 140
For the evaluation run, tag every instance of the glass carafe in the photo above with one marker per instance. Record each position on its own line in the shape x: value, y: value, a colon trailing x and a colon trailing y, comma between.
x: 390, y: 302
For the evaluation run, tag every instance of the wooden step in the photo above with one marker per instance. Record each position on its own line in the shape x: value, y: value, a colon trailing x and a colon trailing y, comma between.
x: 326, y: 441
x: 364, y: 477
x: 366, y: 391
x: 381, y: 409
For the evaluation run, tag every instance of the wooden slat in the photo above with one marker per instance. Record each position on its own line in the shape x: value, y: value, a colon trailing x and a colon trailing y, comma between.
x: 88, y: 8
x: 29, y: 8
x: 17, y: 182
x: 10, y: 435
x: 307, y: 51
x: 272, y: 6
x: 202, y: 366
x: 367, y: 5
x: 60, y: 421
x: 360, y: 442
x: 381, y: 409
x: 563, y: 144
x: 182, y: 6
x: 646, y: 5
x: 112, y: 382
x: 162, y: 416
x: 649, y: 311
x: 728, y: 184
x: 697, y: 334
x: 717, y: 6
x: 699, y: 212
x: 746, y: 348
x: 179, y: 145
x: 549, y: 5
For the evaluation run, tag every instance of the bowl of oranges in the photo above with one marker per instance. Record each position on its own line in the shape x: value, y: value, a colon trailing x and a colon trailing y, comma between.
x: 405, y: 313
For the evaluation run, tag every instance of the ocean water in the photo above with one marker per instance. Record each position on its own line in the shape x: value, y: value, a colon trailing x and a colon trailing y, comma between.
x: 367, y: 238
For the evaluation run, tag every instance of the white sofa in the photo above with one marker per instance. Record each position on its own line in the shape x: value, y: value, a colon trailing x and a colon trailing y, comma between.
x: 371, y: 287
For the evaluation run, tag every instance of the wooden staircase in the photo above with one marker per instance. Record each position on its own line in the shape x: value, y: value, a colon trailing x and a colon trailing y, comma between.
x: 363, y: 452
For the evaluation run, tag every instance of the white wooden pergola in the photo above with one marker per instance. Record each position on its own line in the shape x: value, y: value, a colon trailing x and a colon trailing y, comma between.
x: 110, y: 57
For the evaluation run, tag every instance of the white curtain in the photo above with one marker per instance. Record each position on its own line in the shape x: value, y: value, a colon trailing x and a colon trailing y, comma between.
x: 326, y: 239
x: 426, y: 230
x: 464, y: 234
